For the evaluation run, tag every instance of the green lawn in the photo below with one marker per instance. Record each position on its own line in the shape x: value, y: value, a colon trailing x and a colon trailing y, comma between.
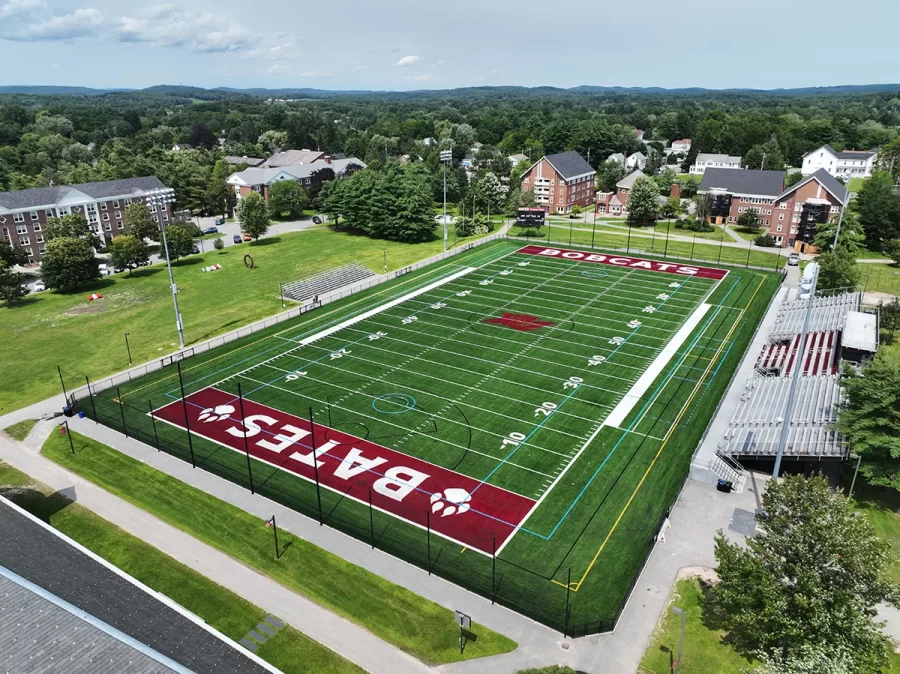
x: 866, y: 254
x: 393, y: 613
x: 65, y: 328
x: 884, y: 278
x: 20, y: 430
x: 746, y: 236
x: 471, y: 389
x: 856, y: 184
x: 289, y: 650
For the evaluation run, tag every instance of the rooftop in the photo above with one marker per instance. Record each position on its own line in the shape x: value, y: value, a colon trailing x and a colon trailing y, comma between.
x: 293, y: 158
x: 569, y: 164
x: 265, y: 175
x: 743, y: 181
x: 708, y: 157
x: 626, y: 182
x: 43, y: 197
x: 851, y: 154
x: 826, y: 180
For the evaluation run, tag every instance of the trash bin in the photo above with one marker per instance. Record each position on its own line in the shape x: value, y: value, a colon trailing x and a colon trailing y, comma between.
x: 68, y: 411
x: 81, y: 414
x: 724, y: 486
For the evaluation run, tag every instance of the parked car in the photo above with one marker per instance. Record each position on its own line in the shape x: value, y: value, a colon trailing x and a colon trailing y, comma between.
x: 219, y: 222
x: 211, y: 230
x: 794, y: 259
x: 194, y: 249
x: 104, y: 269
x: 317, y: 220
x: 246, y: 236
x: 236, y: 238
x: 39, y: 286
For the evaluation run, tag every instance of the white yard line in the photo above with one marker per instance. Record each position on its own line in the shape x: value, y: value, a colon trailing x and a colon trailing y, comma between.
x: 623, y: 409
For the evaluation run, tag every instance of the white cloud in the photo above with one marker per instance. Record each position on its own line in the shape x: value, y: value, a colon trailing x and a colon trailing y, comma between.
x: 418, y: 78
x: 31, y: 20
x: 408, y: 60
x: 438, y: 63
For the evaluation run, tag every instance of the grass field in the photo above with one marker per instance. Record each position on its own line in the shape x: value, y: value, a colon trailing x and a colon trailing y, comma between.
x: 393, y: 613
x: 289, y: 650
x: 66, y: 329
x: 506, y: 420
x: 19, y: 431
x: 883, y: 278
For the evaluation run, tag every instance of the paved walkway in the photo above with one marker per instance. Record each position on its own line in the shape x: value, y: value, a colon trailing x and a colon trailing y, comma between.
x: 342, y: 636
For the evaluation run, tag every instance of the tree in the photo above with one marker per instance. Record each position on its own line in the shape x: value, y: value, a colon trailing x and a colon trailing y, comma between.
x: 889, y: 159
x: 201, y: 136
x: 892, y: 249
x: 273, y: 140
x: 218, y: 243
x: 519, y: 198
x: 811, y: 577
x: 671, y: 209
x: 288, y: 197
x: 838, y: 269
x: 253, y: 215
x: 878, y: 205
x: 702, y: 207
x: 608, y: 174
x: 318, y: 179
x: 490, y: 192
x: 72, y: 226
x: 850, y: 237
x: 127, y: 252
x: 749, y: 221
x: 179, y: 241
x: 890, y: 315
x: 139, y: 222
x: 12, y: 283
x: 218, y: 191
x: 69, y: 262
x: 768, y: 152
x: 870, y: 418
x: 643, y: 202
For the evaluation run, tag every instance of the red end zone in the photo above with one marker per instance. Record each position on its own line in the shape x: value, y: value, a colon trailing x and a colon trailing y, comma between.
x: 461, y: 508
x: 625, y: 261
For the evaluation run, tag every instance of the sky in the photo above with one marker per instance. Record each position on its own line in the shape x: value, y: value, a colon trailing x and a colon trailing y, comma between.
x: 423, y: 44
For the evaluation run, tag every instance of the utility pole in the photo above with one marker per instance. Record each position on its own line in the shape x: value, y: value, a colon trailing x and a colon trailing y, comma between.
x: 795, y: 378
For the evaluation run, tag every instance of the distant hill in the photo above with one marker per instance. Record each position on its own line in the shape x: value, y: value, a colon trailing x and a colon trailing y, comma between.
x: 220, y: 93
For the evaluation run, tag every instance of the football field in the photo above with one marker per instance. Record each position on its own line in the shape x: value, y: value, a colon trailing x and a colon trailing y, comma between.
x: 516, y: 419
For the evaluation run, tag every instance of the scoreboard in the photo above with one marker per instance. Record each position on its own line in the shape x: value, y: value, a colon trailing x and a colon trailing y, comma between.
x: 530, y: 217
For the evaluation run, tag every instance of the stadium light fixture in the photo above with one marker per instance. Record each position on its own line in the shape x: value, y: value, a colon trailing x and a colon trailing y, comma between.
x: 160, y: 198
x: 446, y: 156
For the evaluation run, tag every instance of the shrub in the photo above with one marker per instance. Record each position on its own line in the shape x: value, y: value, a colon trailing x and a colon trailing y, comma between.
x: 218, y: 243
x: 765, y: 241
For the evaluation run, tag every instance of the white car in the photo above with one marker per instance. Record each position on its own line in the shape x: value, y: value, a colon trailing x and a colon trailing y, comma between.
x: 39, y: 286
x: 793, y: 259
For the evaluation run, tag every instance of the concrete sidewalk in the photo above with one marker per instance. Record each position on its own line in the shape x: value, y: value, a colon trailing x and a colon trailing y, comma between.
x: 342, y: 636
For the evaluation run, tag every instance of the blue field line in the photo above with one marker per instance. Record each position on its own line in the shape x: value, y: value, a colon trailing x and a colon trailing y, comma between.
x: 721, y: 362
x: 634, y: 421
x: 566, y: 399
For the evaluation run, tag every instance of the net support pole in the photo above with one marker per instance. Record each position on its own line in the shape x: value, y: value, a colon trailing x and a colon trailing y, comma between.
x: 594, y: 230
x: 568, y: 590
x: 153, y: 421
x: 428, y: 536
x: 187, y: 424
x: 628, y: 243
x: 281, y: 290
x: 721, y: 244
x: 63, y: 384
x: 69, y: 435
x: 275, y: 531
x: 122, y: 411
x: 666, y: 249
x: 371, y: 519
x: 91, y: 396
x: 749, y: 248
x: 693, y: 243
x: 246, y: 441
x: 315, y: 462
x: 493, y: 567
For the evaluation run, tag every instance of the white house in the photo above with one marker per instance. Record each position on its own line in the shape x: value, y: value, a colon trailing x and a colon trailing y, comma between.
x: 706, y: 160
x: 682, y: 145
x: 846, y: 164
x: 617, y: 157
x: 638, y: 160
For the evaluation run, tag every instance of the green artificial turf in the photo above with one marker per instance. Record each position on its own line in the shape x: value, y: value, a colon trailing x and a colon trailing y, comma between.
x: 19, y: 431
x: 63, y: 328
x: 289, y: 650
x: 475, y: 384
x: 400, y: 617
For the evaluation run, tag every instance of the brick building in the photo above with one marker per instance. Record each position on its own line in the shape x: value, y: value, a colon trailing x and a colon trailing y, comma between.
x: 616, y: 203
x: 790, y: 215
x: 262, y: 178
x: 24, y: 213
x: 561, y: 181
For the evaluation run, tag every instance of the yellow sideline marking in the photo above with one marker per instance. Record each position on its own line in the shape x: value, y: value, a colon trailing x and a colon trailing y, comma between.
x: 665, y: 441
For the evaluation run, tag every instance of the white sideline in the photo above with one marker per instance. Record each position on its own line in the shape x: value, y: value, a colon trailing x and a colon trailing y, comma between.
x: 627, y: 403
x: 384, y: 307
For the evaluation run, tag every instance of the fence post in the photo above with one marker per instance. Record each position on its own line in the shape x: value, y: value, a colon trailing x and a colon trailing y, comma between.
x: 721, y: 244
x: 570, y: 230
x: 65, y: 393
x: 69, y: 435
x: 371, y: 519
x: 187, y: 424
x: 315, y: 462
x: 246, y: 443
x: 91, y: 396
x: 693, y: 242
x: 568, y: 588
x: 428, y: 535
x: 153, y: 420
x: 749, y: 248
x: 122, y: 410
x: 666, y: 250
x: 594, y: 230
x: 493, y: 567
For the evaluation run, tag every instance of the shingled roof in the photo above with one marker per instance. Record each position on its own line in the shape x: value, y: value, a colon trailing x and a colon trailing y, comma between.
x: 826, y: 180
x: 851, y: 154
x: 42, y: 197
x: 743, y: 181
x: 569, y: 164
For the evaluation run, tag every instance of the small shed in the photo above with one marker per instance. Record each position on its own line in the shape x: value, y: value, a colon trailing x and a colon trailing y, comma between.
x: 859, y: 340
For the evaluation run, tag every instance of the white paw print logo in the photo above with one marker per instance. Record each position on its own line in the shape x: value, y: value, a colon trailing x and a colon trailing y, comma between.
x: 453, y: 500
x: 216, y: 413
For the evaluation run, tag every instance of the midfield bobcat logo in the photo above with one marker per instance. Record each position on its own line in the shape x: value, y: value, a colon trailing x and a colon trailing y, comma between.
x: 525, y: 322
x: 216, y: 413
x: 458, y: 501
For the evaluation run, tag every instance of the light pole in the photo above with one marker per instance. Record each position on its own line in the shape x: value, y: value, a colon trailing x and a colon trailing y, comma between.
x: 837, y: 232
x: 446, y: 156
x: 683, y: 614
x: 855, y: 473
x: 128, y: 348
x: 160, y: 199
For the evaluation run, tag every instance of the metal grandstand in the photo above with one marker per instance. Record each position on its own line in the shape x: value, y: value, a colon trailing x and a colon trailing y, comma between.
x: 755, y: 428
x: 829, y: 314
x: 313, y: 286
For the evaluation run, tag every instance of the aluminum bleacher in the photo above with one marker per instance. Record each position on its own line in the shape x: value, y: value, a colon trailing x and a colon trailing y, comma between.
x: 325, y: 282
x: 755, y: 427
x: 778, y: 358
x: 828, y: 314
